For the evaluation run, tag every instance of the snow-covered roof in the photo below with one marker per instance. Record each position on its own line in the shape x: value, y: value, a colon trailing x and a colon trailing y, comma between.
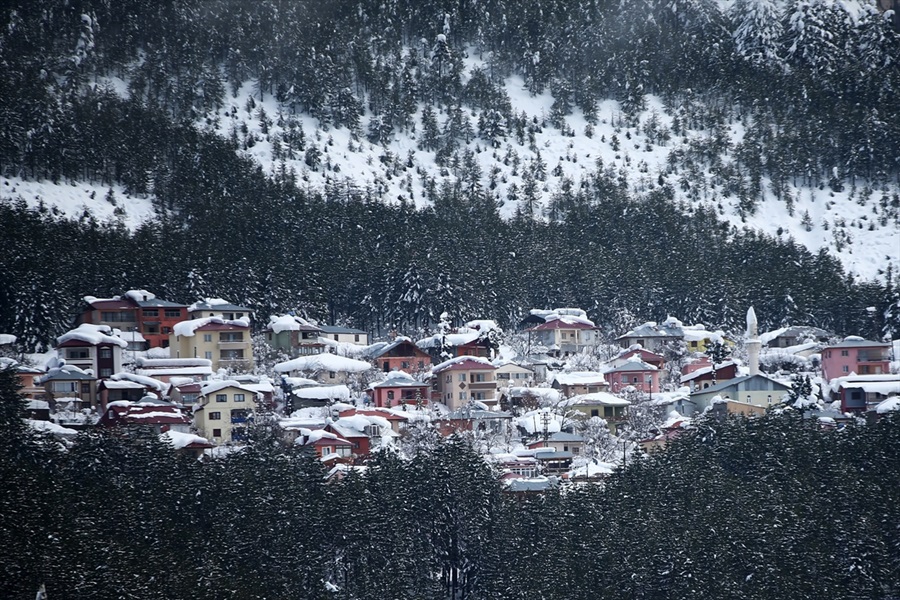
x: 137, y: 379
x: 211, y: 387
x: 332, y: 329
x: 134, y: 337
x: 323, y: 362
x: 93, y: 335
x: 854, y: 341
x: 64, y: 373
x: 705, y: 371
x: 7, y: 339
x: 592, y: 469
x: 460, y: 338
x: 595, y: 399
x: 546, y: 394
x: 464, y: 362
x: 890, y: 405
x: 52, y: 428
x: 579, y: 378
x: 483, y: 325
x: 172, y: 363
x: 217, y: 304
x: 870, y: 384
x: 179, y: 440
x: 398, y: 379
x: 634, y: 364
x: 188, y: 328
x: 290, y: 323
x: 323, y: 392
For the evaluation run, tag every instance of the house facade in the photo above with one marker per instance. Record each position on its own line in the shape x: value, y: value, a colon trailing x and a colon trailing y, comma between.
x: 462, y: 379
x: 862, y: 393
x: 224, y: 411
x: 225, y: 343
x: 345, y: 335
x: 148, y: 319
x: 92, y: 347
x: 634, y: 373
x: 579, y: 382
x: 400, y: 355
x: 510, y: 374
x: 855, y: 355
x: 563, y: 335
x: 757, y: 390
x: 398, y: 388
x: 222, y: 309
x: 294, y: 335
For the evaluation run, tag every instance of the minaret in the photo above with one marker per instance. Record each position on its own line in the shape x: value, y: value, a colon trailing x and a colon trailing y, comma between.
x: 752, y: 342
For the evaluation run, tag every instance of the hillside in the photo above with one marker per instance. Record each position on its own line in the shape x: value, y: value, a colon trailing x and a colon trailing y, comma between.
x: 662, y: 143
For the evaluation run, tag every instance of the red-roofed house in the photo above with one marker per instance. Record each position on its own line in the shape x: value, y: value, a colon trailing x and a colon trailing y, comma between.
x: 459, y: 380
x: 136, y: 310
x: 651, y: 358
x: 400, y: 355
x: 642, y: 376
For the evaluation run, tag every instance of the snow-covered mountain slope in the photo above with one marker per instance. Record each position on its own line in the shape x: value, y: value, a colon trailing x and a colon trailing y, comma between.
x: 856, y: 224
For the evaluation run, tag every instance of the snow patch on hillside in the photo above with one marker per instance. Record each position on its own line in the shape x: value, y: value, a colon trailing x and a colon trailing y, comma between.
x: 75, y: 198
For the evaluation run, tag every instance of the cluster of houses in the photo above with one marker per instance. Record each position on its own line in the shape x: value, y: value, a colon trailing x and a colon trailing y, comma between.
x: 189, y: 372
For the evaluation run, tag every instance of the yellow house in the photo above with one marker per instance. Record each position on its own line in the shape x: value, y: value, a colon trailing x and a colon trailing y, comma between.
x: 225, y: 343
x: 465, y: 378
x: 225, y: 409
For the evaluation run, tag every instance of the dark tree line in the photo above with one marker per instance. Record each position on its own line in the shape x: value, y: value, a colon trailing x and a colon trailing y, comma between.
x: 737, y: 509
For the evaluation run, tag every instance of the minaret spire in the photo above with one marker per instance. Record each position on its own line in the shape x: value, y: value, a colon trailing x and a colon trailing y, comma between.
x: 753, y: 344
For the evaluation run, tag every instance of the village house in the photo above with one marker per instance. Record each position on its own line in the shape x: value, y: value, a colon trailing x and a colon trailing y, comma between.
x: 462, y: 379
x: 140, y: 315
x: 225, y: 343
x: 325, y: 444
x: 509, y: 374
x: 364, y: 431
x: 579, y: 382
x: 294, y: 335
x: 855, y: 355
x: 92, y: 347
x: 401, y: 354
x: 398, y: 388
x: 757, y: 390
x: 862, y: 393
x: 68, y: 382
x: 560, y: 441
x: 477, y: 338
x: 475, y: 419
x: 655, y: 337
x: 224, y: 410
x: 790, y: 337
x: 129, y: 387
x: 563, y: 335
x: 635, y: 352
x: 699, y: 374
x: 608, y: 407
x: 149, y: 412
x: 634, y: 373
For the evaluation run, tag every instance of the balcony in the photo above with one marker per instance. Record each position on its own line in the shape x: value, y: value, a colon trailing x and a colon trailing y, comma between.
x: 232, y: 345
x: 873, y: 358
x: 483, y: 385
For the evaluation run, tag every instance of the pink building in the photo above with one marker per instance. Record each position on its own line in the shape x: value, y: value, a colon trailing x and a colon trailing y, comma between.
x: 855, y: 355
x: 636, y: 373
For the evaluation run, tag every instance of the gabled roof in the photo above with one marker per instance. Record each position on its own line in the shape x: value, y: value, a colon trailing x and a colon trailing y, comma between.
x: 595, y: 399
x: 579, y: 378
x: 65, y: 373
x: 398, y: 379
x: 217, y: 305
x: 633, y: 365
x: 854, y: 341
x: 379, y: 350
x: 733, y: 383
x: 324, y: 362
x: 561, y: 323
x: 189, y: 328
x: 464, y: 363
x: 211, y: 387
x: 93, y: 335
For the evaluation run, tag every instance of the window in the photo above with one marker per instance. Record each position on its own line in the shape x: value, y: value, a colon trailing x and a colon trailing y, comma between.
x: 63, y: 386
x: 421, y: 364
x: 78, y: 353
x: 576, y: 450
x: 231, y: 336
x: 239, y: 397
x: 462, y: 395
x: 151, y: 312
x: 167, y: 330
x: 207, y: 355
x: 331, y: 374
x: 221, y: 397
x: 478, y: 377
x: 404, y: 364
x: 107, y: 372
x: 595, y: 412
x: 173, y: 313
x: 845, y: 353
x: 845, y: 369
x: 217, y: 433
x: 207, y: 337
x: 449, y: 378
x: 215, y: 416
x: 117, y: 316
x: 335, y: 337
x: 105, y: 352
x: 356, y: 337
x: 85, y: 388
x: 462, y: 376
x: 565, y: 335
x: 390, y: 395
